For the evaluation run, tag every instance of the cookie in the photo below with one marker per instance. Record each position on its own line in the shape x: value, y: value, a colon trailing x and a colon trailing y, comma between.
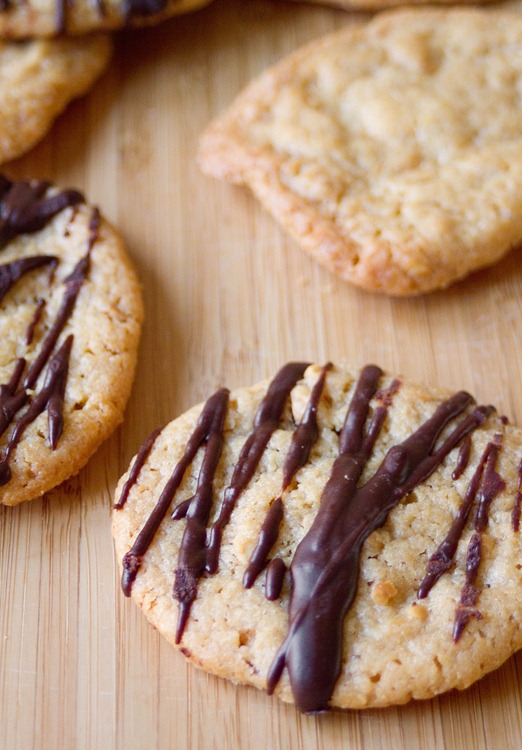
x: 70, y: 318
x: 21, y: 19
x: 376, y: 5
x: 37, y: 80
x: 342, y: 539
x: 390, y: 151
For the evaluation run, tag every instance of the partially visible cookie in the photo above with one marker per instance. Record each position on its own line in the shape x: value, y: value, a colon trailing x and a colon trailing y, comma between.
x: 37, y: 80
x: 70, y: 318
x: 22, y: 19
x: 376, y: 5
x: 391, y: 151
x: 345, y: 539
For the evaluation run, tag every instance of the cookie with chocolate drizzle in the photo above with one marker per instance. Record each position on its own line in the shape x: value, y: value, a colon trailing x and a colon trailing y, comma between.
x: 70, y: 318
x: 341, y: 539
x: 22, y: 19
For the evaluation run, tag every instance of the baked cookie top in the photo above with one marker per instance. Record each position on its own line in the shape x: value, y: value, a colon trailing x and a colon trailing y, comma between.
x: 70, y: 318
x: 391, y: 151
x: 344, y: 539
x: 22, y: 19
x: 37, y: 80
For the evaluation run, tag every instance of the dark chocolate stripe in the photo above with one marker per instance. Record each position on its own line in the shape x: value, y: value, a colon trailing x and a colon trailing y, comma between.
x: 25, y: 209
x: 143, y: 8
x: 11, y: 399
x: 463, y: 458
x: 266, y: 540
x: 16, y: 198
x: 265, y: 423
x: 491, y: 485
x: 29, y: 334
x: 73, y: 283
x: 442, y: 559
x: 10, y: 273
x: 325, y: 568
x: 306, y: 433
x: 133, y: 558
x: 515, y: 513
x: 275, y: 576
x: 50, y: 397
x: 192, y: 551
x: 137, y: 466
x: 303, y: 439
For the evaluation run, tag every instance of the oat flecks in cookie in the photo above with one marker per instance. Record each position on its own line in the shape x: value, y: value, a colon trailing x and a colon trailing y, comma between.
x: 37, y: 81
x: 388, y: 504
x: 391, y: 151
x: 70, y: 318
x: 22, y: 19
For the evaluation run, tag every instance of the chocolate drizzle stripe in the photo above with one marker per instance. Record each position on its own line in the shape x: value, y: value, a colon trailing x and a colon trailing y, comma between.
x: 463, y: 458
x: 442, y: 559
x: 265, y: 423
x: 303, y: 439
x: 73, y: 283
x: 50, y: 397
x: 491, y: 485
x: 274, y: 579
x: 29, y: 334
x: 133, y: 558
x: 24, y: 207
x: 192, y: 551
x: 266, y: 540
x: 10, y: 273
x: 137, y: 466
x: 325, y: 568
x: 143, y: 8
x: 515, y: 513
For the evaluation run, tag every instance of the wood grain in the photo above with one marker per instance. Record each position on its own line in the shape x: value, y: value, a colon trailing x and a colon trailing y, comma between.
x: 229, y: 298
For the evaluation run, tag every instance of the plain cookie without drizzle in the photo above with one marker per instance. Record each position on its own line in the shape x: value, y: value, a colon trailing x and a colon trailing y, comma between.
x: 345, y: 539
x: 70, y: 319
x: 37, y: 81
x: 391, y: 151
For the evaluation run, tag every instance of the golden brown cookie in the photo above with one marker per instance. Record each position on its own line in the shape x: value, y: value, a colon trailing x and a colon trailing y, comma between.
x: 70, y: 318
x: 22, y: 19
x: 390, y: 151
x: 37, y: 80
x: 344, y: 539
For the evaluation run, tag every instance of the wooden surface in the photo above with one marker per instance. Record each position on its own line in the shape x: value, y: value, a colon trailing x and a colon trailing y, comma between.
x: 228, y: 300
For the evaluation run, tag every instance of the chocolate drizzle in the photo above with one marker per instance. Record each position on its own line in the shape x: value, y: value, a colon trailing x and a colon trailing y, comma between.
x: 463, y: 458
x: 325, y: 568
x: 192, y: 553
x: 266, y: 421
x: 275, y: 576
x: 24, y: 207
x: 216, y: 404
x: 137, y: 466
x: 442, y: 559
x: 326, y: 563
x: 491, y: 484
x: 303, y: 439
x: 73, y: 283
x: 12, y: 272
x: 144, y: 8
x: 515, y: 513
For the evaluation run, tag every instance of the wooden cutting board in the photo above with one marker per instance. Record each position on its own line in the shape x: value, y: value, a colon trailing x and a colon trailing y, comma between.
x: 229, y: 299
